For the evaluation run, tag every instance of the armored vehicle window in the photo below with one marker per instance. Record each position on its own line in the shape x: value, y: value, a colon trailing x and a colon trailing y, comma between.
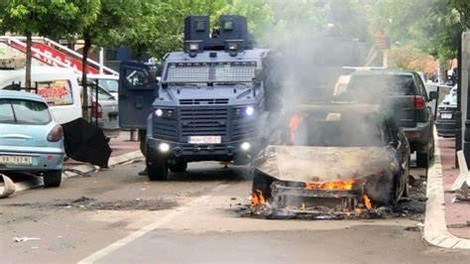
x: 210, y: 72
x: 188, y: 72
x: 234, y: 72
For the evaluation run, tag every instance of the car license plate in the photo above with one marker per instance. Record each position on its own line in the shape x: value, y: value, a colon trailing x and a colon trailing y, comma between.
x: 205, y: 139
x: 446, y: 115
x: 16, y: 160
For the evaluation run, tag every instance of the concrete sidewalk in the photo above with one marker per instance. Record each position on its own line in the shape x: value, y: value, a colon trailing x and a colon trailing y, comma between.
x: 457, y: 214
x: 447, y: 224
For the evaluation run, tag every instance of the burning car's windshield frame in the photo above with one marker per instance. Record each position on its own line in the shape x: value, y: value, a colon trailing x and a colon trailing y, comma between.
x: 319, y: 132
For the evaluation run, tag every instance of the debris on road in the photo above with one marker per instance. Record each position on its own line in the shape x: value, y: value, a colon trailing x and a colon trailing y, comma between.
x: 8, y: 187
x: 24, y: 239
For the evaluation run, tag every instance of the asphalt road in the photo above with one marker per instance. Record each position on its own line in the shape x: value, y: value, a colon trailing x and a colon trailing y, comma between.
x: 116, y: 216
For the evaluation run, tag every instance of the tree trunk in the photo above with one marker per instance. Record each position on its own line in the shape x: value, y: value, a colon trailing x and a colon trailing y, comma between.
x: 29, y: 42
x: 86, y: 49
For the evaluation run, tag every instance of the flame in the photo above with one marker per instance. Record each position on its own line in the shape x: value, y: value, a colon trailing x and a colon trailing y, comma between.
x: 257, y: 198
x: 367, y: 201
x: 334, y: 185
x: 293, y: 125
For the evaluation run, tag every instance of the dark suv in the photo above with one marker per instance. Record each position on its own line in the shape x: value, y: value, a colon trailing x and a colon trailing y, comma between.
x: 403, y: 95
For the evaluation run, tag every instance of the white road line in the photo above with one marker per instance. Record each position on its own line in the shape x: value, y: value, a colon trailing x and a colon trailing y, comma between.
x: 160, y: 222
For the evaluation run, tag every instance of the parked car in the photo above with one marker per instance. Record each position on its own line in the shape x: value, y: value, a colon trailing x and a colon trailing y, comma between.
x: 104, y: 110
x: 30, y: 139
x: 108, y: 82
x: 340, y: 156
x: 405, y: 96
x: 57, y: 85
x: 446, y: 118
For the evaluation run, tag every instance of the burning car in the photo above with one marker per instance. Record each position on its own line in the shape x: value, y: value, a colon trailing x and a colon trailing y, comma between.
x: 336, y: 160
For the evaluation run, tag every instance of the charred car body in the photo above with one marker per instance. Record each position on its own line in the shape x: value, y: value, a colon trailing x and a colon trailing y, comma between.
x: 332, y: 160
x: 207, y: 103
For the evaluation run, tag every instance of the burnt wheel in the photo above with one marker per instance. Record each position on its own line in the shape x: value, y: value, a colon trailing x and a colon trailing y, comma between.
x: 179, y: 167
x: 262, y: 183
x: 52, y: 178
x: 157, y: 168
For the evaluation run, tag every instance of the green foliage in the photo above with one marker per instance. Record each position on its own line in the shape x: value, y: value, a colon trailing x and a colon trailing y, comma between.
x: 432, y: 26
x: 47, y: 17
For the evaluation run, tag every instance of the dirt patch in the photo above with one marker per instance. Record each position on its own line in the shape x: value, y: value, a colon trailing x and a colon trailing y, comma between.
x: 92, y: 204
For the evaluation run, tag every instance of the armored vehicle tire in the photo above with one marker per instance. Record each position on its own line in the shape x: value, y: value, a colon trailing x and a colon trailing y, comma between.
x: 52, y: 178
x: 179, y: 167
x: 158, y: 169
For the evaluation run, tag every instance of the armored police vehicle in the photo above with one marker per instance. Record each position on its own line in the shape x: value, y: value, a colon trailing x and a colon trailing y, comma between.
x: 208, y: 103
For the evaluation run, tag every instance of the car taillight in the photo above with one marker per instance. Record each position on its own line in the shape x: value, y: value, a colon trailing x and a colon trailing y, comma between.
x: 418, y: 102
x: 56, y: 134
x: 96, y: 110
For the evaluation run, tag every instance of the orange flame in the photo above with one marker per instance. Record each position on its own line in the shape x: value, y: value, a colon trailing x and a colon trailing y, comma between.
x: 334, y: 185
x: 293, y: 125
x: 257, y: 198
x: 367, y: 201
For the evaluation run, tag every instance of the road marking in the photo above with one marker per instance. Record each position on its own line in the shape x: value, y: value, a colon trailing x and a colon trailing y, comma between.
x: 160, y: 222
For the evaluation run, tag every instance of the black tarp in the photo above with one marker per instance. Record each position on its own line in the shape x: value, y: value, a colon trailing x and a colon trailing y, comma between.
x: 86, y: 142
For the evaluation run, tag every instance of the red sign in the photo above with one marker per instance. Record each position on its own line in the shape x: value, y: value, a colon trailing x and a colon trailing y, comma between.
x: 57, y: 55
x: 60, y: 56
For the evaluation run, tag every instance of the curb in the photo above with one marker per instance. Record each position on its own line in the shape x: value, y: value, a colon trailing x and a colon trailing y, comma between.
x: 435, y: 227
x: 113, y: 161
x: 81, y: 170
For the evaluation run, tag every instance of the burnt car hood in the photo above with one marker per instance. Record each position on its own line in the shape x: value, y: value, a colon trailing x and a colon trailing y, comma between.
x: 324, y: 164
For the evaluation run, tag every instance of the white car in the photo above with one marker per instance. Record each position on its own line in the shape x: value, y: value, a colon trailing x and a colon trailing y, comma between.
x: 57, y: 85
x: 104, y: 111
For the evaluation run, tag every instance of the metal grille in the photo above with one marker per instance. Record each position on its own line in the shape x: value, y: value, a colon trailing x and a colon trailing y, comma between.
x: 188, y: 72
x: 204, y: 121
x: 201, y: 72
x: 233, y: 72
x: 165, y: 129
x: 203, y: 101
x: 242, y: 127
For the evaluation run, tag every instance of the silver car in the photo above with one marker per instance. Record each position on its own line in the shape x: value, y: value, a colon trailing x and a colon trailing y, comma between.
x: 104, y: 113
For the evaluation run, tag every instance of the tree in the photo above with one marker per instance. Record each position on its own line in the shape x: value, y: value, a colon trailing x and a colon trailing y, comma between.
x: 45, y: 17
x: 434, y: 27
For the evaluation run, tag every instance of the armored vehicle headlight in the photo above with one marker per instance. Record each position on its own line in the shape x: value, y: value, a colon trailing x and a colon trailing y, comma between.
x: 164, y: 147
x: 159, y: 112
x: 193, y: 47
x: 249, y: 111
x: 245, y: 146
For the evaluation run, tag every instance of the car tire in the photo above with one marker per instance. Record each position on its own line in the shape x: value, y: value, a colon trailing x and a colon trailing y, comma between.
x: 52, y: 178
x: 179, y: 167
x: 157, y: 169
x: 422, y: 159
